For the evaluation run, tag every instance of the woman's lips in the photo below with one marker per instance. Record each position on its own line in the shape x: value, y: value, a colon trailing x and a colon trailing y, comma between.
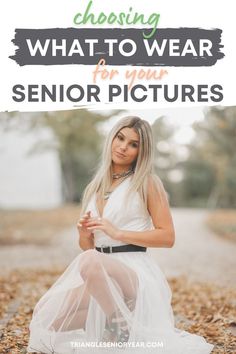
x: 119, y: 154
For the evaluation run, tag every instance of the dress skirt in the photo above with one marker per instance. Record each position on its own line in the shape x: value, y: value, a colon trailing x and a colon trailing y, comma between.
x: 110, y: 303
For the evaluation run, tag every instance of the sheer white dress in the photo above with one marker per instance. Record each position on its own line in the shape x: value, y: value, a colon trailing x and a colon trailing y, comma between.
x: 117, y: 302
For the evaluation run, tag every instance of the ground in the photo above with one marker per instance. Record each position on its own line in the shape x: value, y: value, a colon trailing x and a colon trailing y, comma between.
x: 200, y: 269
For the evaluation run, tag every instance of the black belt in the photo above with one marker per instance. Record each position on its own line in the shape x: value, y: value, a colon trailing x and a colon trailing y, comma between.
x: 123, y: 248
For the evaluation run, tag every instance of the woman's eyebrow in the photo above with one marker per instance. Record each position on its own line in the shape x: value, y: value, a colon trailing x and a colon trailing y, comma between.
x: 136, y: 141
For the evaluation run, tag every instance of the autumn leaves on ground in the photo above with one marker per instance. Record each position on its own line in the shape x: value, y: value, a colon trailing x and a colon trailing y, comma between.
x: 202, y: 308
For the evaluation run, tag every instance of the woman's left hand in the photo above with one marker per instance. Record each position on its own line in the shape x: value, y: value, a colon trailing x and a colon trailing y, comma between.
x: 103, y: 224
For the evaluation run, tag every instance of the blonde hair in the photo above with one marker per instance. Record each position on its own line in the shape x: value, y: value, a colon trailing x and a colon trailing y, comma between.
x: 143, y: 166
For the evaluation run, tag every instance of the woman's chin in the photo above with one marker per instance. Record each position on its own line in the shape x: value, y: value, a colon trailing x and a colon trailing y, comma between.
x: 118, y: 162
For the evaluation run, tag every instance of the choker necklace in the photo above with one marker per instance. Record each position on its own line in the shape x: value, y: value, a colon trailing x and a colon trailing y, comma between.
x: 122, y: 175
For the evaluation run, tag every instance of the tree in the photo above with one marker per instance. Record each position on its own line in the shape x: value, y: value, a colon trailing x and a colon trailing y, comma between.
x: 165, y: 155
x: 77, y: 138
x: 215, y: 145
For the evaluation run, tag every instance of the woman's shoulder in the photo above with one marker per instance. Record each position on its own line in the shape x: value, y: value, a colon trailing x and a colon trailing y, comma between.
x: 152, y: 183
x: 153, y: 180
x: 155, y: 187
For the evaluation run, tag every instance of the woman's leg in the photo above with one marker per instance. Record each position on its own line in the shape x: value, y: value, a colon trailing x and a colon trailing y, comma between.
x: 74, y: 312
x: 93, y: 266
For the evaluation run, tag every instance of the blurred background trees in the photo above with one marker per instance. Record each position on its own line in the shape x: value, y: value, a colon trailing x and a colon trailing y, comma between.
x: 210, y: 170
x: 200, y: 173
x: 206, y: 176
x: 77, y: 137
x: 78, y: 142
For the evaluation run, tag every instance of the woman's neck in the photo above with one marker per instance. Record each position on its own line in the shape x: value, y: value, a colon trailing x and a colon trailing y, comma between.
x: 120, y: 168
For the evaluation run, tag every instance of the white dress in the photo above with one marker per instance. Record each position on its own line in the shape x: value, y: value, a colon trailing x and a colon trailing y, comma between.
x: 74, y: 315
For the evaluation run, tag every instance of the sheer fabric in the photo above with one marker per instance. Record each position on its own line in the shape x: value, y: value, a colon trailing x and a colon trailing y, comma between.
x: 118, y: 302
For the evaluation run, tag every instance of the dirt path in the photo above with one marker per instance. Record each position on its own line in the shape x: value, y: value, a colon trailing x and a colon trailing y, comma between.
x: 63, y: 248
x: 197, y: 253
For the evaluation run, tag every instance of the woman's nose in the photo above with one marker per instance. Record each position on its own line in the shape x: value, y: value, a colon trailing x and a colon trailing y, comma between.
x: 123, y: 145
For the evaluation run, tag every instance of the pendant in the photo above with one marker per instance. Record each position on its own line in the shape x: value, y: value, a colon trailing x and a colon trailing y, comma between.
x: 107, y: 195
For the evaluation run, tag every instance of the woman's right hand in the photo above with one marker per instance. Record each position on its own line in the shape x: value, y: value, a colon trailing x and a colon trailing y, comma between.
x: 83, y: 231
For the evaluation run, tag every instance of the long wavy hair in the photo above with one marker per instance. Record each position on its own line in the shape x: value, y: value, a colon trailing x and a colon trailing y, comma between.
x: 143, y: 166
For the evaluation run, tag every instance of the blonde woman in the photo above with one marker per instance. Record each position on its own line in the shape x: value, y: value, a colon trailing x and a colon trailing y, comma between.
x: 113, y: 292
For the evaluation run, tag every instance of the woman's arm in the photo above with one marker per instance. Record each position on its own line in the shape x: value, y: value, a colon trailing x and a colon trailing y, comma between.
x: 86, y: 237
x: 163, y: 235
x: 86, y: 243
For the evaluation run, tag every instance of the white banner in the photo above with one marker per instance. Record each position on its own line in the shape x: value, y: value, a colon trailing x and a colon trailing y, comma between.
x: 42, y: 73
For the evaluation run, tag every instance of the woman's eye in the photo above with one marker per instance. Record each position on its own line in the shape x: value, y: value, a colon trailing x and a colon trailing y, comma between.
x: 134, y: 145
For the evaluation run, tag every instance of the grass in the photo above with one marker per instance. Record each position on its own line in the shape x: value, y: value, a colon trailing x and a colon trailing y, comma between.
x: 223, y: 223
x: 35, y: 226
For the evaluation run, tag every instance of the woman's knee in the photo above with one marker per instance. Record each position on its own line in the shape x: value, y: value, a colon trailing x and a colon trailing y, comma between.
x: 90, y: 264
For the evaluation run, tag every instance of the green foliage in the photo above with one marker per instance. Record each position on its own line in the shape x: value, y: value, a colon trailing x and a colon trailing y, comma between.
x: 197, y: 182
x: 75, y: 135
x: 216, y: 146
x: 79, y: 145
x: 208, y: 172
x: 165, y: 159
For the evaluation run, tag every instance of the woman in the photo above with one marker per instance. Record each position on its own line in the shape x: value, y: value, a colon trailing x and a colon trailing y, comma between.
x: 113, y: 292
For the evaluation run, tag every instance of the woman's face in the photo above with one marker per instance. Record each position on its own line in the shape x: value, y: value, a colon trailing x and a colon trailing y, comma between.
x: 125, y: 147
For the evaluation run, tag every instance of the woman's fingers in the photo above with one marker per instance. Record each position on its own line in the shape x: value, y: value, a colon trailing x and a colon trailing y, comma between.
x: 94, y: 221
x: 85, y: 217
x: 86, y: 220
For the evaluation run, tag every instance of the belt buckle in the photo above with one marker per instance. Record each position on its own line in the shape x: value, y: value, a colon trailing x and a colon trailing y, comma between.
x: 102, y: 246
x: 105, y: 246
